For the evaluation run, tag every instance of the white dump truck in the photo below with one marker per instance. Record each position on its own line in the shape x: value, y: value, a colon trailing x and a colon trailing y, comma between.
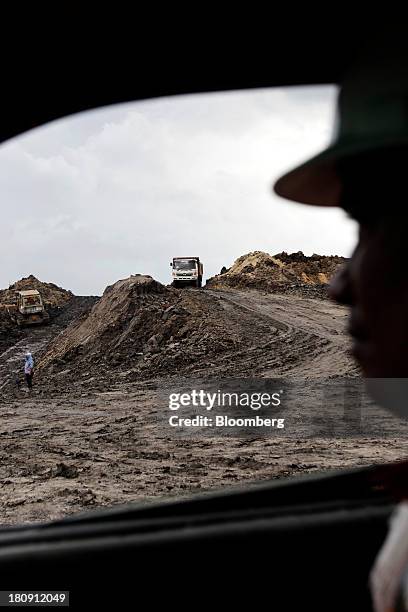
x: 187, y: 271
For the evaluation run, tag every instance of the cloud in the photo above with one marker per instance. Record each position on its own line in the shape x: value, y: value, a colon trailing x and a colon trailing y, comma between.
x: 118, y: 191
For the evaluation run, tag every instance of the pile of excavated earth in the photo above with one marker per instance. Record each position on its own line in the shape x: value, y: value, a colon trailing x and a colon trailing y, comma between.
x: 141, y: 329
x: 294, y: 273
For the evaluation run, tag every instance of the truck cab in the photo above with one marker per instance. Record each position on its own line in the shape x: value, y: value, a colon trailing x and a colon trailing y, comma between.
x: 29, y: 302
x: 187, y: 271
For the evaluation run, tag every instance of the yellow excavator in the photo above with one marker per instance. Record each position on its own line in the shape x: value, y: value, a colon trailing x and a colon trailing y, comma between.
x: 28, y: 308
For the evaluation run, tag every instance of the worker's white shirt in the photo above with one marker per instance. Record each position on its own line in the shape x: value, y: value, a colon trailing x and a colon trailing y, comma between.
x: 28, y: 367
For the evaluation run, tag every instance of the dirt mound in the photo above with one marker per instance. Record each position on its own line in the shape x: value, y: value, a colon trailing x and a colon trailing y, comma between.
x: 139, y: 329
x: 281, y: 273
x: 52, y: 295
x: 119, y: 327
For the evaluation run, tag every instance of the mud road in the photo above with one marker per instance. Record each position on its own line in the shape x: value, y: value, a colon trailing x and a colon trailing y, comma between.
x: 312, y: 335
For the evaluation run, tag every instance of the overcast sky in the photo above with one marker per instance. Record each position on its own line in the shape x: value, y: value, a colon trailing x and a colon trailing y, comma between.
x: 101, y: 195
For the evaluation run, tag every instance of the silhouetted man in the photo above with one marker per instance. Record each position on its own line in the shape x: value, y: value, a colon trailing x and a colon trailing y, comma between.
x: 364, y: 171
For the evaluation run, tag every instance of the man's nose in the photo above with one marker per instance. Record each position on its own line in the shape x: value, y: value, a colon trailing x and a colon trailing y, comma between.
x: 340, y: 288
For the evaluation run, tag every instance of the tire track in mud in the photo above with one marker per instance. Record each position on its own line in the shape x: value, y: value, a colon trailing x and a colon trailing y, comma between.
x: 310, y: 340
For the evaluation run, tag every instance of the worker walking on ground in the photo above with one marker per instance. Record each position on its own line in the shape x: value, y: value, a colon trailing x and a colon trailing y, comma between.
x: 29, y: 369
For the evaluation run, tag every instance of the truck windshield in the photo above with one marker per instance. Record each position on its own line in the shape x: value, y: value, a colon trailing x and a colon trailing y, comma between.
x: 32, y: 300
x: 184, y: 264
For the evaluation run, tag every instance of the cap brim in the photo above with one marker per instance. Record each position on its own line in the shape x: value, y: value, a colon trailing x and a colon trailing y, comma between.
x: 317, y: 182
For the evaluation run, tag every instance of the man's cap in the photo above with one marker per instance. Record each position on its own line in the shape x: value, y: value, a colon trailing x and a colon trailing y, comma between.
x: 372, y: 115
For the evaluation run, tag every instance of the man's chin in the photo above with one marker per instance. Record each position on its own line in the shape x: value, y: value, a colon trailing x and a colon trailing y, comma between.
x: 377, y: 363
